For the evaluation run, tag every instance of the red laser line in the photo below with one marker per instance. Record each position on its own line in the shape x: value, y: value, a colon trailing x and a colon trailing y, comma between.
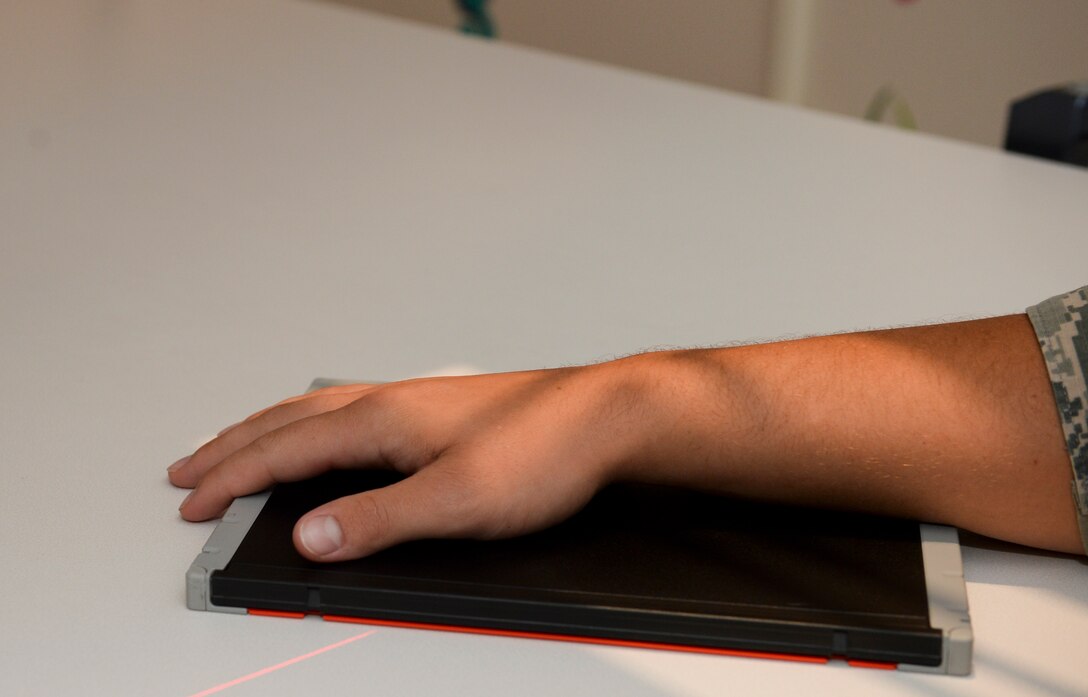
x: 288, y: 662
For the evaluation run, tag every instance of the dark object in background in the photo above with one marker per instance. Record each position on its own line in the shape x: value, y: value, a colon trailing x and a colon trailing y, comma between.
x: 1052, y: 124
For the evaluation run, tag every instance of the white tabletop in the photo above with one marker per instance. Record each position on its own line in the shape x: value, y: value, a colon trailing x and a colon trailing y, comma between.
x: 204, y: 205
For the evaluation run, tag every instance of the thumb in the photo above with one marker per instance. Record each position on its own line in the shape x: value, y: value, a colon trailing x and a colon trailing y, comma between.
x: 426, y: 504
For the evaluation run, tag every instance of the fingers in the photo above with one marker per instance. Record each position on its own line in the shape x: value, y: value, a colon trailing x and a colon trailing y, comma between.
x: 186, y: 473
x: 355, y: 389
x: 428, y: 504
x: 301, y: 449
x: 489, y: 456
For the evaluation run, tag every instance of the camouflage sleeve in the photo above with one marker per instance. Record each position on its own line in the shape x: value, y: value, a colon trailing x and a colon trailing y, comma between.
x: 1061, y: 324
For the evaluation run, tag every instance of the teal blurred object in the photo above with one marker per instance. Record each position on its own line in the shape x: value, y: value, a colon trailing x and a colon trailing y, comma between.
x: 477, y: 20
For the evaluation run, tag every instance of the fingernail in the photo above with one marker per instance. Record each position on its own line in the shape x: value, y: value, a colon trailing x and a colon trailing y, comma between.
x: 186, y: 499
x: 179, y: 464
x: 321, y: 535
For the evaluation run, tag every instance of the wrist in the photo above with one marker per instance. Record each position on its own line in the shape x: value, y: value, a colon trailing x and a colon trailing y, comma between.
x: 676, y: 419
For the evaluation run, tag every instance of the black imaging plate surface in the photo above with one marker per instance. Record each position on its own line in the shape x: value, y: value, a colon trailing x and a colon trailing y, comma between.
x: 639, y: 563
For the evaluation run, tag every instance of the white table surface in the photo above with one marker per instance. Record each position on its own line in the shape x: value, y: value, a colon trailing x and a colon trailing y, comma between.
x: 203, y: 205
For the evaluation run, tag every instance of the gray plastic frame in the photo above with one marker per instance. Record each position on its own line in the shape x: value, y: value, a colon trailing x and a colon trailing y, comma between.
x: 219, y: 549
x: 226, y: 538
x: 947, y: 596
x: 941, y: 558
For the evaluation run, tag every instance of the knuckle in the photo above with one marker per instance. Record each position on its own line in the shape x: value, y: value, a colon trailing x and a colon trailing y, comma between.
x: 382, y: 400
x: 263, y: 447
x: 207, y: 454
x: 369, y: 522
x: 399, y: 400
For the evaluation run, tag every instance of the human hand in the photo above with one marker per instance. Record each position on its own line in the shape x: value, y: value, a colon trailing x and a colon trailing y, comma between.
x: 872, y: 421
x: 486, y: 456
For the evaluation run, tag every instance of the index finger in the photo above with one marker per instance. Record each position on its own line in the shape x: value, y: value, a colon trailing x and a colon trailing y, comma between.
x: 352, y: 388
x: 300, y: 450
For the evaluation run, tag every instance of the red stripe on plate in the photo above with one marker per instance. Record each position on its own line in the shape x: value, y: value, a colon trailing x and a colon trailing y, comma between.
x: 579, y: 639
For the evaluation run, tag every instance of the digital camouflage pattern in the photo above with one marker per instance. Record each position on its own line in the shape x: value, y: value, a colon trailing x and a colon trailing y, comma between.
x: 1061, y: 323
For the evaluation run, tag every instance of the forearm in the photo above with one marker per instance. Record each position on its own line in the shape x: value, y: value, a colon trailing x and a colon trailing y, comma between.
x: 950, y: 423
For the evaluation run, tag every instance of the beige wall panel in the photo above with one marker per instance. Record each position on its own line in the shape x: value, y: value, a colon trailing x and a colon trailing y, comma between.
x: 958, y: 63
x: 715, y: 42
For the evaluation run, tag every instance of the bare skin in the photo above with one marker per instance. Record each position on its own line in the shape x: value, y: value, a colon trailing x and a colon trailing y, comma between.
x: 951, y: 423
